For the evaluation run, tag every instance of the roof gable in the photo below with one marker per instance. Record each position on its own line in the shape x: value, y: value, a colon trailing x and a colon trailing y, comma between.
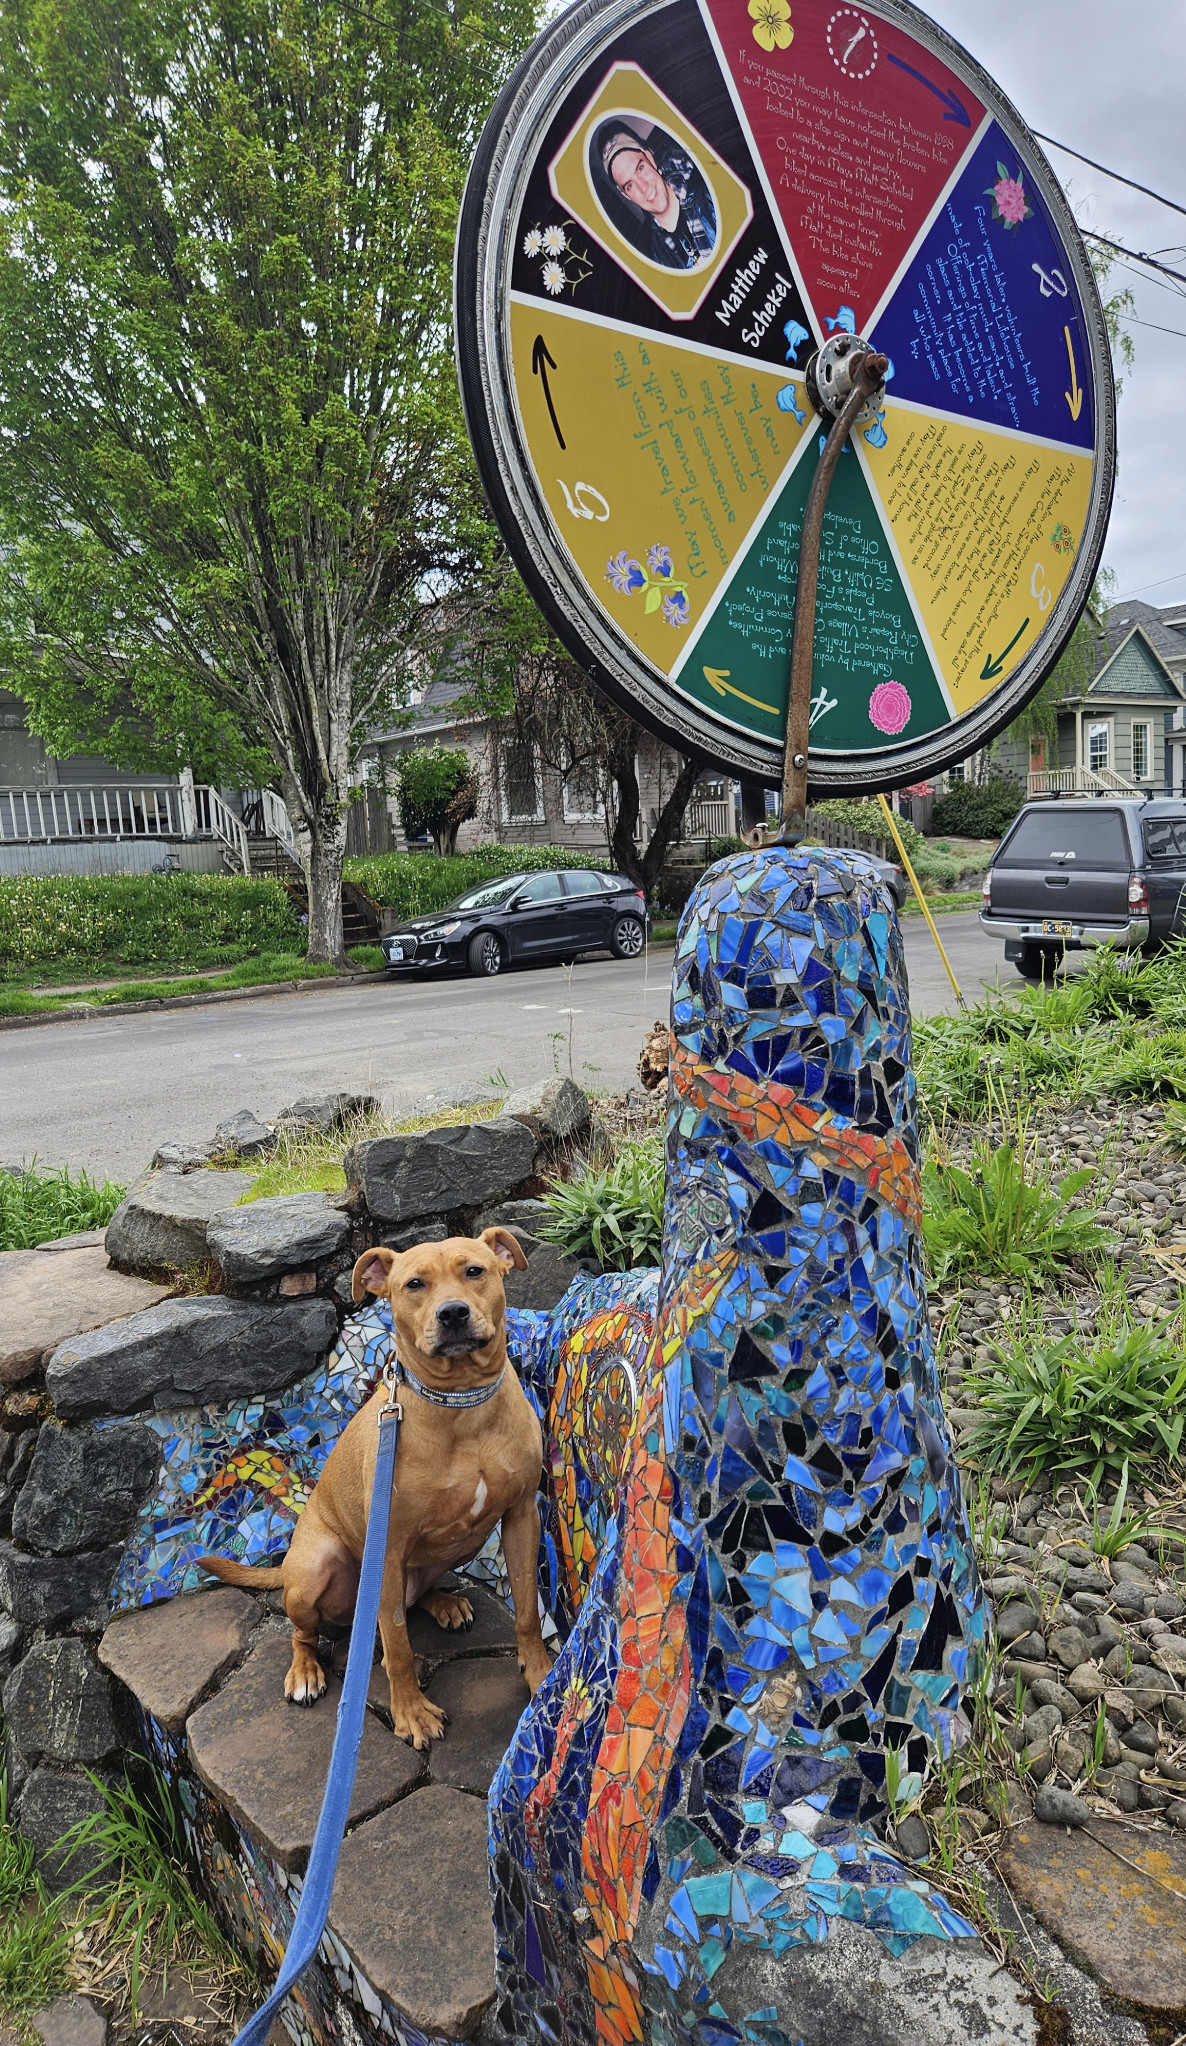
x: 1135, y: 669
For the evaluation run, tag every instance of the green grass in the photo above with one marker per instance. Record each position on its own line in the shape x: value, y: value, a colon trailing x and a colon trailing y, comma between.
x: 1079, y: 1409
x: 312, y: 1163
x: 37, y: 1207
x: 1117, y: 1029
x: 262, y: 970
x: 68, y: 927
x: 1006, y: 1214
x: 137, y: 1899
x: 35, y: 1939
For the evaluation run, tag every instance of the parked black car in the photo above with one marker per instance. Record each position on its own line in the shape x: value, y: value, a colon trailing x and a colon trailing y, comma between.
x: 1075, y: 873
x: 523, y: 918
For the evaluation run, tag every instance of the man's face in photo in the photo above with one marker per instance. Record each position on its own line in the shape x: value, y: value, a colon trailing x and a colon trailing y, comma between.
x: 636, y: 174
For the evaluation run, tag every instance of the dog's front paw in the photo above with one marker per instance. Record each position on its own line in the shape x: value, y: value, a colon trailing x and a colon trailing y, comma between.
x: 305, y: 1682
x: 417, y: 1720
x: 448, y: 1608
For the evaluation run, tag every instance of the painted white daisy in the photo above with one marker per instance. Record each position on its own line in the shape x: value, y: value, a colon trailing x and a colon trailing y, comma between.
x: 554, y: 279
x: 533, y: 242
x: 555, y: 241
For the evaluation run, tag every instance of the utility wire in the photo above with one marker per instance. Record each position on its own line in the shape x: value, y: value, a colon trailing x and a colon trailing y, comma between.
x: 1118, y: 175
x: 1137, y: 255
x: 1130, y: 320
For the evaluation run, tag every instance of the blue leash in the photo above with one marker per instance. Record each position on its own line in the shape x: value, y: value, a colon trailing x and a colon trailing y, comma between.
x: 313, y: 1909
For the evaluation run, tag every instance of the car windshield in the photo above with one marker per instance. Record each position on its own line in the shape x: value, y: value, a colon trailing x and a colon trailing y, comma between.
x: 489, y: 895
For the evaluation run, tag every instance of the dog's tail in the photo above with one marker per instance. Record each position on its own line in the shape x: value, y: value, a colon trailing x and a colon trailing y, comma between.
x: 258, y: 1578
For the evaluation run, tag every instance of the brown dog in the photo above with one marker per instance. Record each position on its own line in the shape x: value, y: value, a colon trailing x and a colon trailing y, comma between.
x: 459, y: 1471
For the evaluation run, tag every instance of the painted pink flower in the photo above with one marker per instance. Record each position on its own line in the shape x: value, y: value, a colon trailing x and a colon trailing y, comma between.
x: 1008, y: 197
x: 889, y: 707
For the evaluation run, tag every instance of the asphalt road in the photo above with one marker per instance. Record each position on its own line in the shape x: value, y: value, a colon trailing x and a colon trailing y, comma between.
x: 104, y: 1094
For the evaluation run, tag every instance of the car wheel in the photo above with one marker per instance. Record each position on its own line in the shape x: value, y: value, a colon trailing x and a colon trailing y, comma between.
x: 485, y: 954
x: 1037, y: 962
x: 627, y: 938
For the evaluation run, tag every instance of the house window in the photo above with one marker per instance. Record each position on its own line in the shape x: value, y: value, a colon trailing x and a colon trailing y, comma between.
x: 1141, y: 752
x: 1098, y: 738
x: 582, y: 793
x: 520, y: 783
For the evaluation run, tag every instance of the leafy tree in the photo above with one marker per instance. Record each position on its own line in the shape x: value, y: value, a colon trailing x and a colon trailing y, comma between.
x: 438, y: 793
x: 520, y: 676
x: 231, y: 450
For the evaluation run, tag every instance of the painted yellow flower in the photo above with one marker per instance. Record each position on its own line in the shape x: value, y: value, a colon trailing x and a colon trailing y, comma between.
x: 772, y: 23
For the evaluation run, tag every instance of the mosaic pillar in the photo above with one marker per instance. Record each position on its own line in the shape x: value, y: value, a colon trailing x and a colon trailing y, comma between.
x: 786, y: 1593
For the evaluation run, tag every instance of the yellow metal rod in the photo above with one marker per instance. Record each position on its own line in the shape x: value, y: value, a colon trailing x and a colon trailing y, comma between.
x: 912, y: 877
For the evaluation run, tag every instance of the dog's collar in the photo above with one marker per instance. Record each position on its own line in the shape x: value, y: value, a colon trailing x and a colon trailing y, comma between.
x: 465, y: 1396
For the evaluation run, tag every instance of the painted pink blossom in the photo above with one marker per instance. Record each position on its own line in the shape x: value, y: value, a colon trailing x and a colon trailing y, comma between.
x: 889, y: 707
x: 1010, y: 197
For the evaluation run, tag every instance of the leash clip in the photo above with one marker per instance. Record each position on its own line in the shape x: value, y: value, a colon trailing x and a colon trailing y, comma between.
x: 393, y: 1410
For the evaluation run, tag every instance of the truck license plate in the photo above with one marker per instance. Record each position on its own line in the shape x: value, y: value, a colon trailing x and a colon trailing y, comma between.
x: 1056, y: 930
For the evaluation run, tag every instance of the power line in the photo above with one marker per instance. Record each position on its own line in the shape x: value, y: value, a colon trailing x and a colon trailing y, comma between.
x: 1148, y: 586
x: 1118, y: 175
x: 1137, y: 255
x: 1130, y: 320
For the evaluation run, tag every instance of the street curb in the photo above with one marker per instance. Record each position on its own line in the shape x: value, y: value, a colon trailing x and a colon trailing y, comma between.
x: 85, y: 1012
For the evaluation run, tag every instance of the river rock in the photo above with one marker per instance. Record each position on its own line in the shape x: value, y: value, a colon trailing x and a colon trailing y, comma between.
x: 161, y: 1222
x: 1070, y: 1647
x: 85, y: 1485
x: 187, y: 1352
x: 555, y: 1108
x: 283, y: 1234
x: 57, y: 1705
x: 245, y: 1135
x: 439, y: 1171
x: 49, y: 1591
x: 325, y: 1112
x: 1060, y: 1807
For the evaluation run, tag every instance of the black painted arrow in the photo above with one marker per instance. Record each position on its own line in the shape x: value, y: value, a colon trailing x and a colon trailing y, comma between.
x: 992, y: 667
x: 956, y: 111
x: 540, y: 356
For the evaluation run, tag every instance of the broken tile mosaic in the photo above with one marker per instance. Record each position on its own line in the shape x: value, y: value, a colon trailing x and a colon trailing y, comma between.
x: 753, y: 1546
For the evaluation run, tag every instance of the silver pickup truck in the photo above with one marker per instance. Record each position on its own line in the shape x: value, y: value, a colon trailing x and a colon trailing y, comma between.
x: 1073, y: 873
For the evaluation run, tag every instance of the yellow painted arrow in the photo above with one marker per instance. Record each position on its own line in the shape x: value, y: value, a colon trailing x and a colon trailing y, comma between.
x: 1074, y: 396
x: 718, y: 679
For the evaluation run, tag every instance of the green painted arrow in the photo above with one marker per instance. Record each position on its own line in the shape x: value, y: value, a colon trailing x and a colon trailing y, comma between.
x: 992, y: 667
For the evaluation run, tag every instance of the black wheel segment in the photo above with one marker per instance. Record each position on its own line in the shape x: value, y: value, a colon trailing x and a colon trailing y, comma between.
x: 627, y: 937
x: 485, y: 954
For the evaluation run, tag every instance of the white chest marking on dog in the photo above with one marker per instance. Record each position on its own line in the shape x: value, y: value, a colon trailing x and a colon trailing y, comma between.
x: 479, y: 1499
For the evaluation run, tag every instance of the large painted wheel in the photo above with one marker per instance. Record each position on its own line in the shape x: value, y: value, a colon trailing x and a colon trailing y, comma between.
x: 672, y: 208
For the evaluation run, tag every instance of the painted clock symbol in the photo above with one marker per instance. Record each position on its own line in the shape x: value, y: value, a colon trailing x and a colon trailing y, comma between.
x: 852, y: 42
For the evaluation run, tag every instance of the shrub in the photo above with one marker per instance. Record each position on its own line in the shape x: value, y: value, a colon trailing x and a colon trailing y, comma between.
x: 613, y: 1213
x: 979, y: 810
x: 862, y: 815
x: 1078, y: 1410
x: 38, y: 1207
x: 438, y: 793
x: 1001, y: 1217
x: 81, y: 923
x: 416, y: 883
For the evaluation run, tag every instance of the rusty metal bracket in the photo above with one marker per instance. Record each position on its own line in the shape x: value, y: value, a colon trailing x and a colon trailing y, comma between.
x: 790, y: 827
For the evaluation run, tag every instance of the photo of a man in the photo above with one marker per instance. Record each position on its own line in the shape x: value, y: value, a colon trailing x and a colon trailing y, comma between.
x: 656, y: 196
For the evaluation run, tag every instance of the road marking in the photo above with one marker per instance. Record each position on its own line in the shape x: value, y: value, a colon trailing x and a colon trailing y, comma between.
x: 531, y: 1005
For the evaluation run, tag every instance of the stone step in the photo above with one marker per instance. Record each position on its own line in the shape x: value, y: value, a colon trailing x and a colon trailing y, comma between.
x: 410, y: 1940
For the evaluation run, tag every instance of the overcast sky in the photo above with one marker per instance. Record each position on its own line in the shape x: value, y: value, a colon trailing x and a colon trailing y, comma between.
x: 1110, y: 82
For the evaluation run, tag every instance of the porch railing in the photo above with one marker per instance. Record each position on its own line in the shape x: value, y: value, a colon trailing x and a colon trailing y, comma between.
x: 139, y: 811
x: 1079, y: 781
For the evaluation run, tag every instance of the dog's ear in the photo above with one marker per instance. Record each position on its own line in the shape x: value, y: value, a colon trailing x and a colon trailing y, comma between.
x: 507, y: 1249
x: 372, y: 1271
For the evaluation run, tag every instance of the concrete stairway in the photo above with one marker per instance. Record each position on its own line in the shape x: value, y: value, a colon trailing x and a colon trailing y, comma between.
x: 409, y: 1952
